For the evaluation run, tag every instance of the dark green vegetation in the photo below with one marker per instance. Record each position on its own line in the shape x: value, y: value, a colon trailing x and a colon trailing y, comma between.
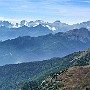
x: 28, y: 48
x: 12, y: 76
x: 74, y: 78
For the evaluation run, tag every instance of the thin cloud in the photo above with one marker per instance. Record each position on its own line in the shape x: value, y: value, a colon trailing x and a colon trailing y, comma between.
x: 64, y: 10
x: 18, y: 62
x: 87, y: 2
x: 9, y: 19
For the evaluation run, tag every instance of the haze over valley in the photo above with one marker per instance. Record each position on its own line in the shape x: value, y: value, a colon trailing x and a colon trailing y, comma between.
x: 44, y: 44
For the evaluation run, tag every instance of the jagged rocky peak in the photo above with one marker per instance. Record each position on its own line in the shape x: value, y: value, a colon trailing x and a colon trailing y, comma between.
x: 23, y: 22
x: 86, y: 23
x: 81, y: 34
x: 56, y: 26
x: 6, y: 24
x: 81, y: 31
x: 39, y: 21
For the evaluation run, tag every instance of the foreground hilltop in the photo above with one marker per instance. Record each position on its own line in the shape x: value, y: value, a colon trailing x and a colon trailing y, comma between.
x: 12, y: 76
x: 74, y: 77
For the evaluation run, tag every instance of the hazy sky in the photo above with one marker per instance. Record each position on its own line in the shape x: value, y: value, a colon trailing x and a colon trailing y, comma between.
x: 69, y: 11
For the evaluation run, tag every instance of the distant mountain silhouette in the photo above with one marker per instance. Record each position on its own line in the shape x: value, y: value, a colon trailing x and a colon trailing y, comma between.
x: 10, y: 33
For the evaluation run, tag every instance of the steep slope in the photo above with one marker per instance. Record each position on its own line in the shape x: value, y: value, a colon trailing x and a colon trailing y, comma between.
x: 11, y: 76
x: 75, y: 78
x: 82, y: 34
x: 24, y: 49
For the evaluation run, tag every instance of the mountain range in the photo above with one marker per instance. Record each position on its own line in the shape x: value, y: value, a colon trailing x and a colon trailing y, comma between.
x: 38, y: 55
x: 36, y: 28
x: 55, y: 26
x: 14, y: 75
x: 26, y: 48
x: 11, y: 33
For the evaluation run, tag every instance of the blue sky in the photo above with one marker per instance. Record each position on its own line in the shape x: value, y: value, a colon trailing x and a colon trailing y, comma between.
x: 69, y: 11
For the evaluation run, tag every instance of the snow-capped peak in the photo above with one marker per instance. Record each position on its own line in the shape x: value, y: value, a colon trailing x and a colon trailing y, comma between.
x: 51, y: 28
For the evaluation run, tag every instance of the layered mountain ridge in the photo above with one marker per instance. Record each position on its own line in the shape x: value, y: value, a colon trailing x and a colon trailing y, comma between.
x: 24, y: 49
x: 34, y: 41
x: 36, y: 28
x: 55, y: 26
